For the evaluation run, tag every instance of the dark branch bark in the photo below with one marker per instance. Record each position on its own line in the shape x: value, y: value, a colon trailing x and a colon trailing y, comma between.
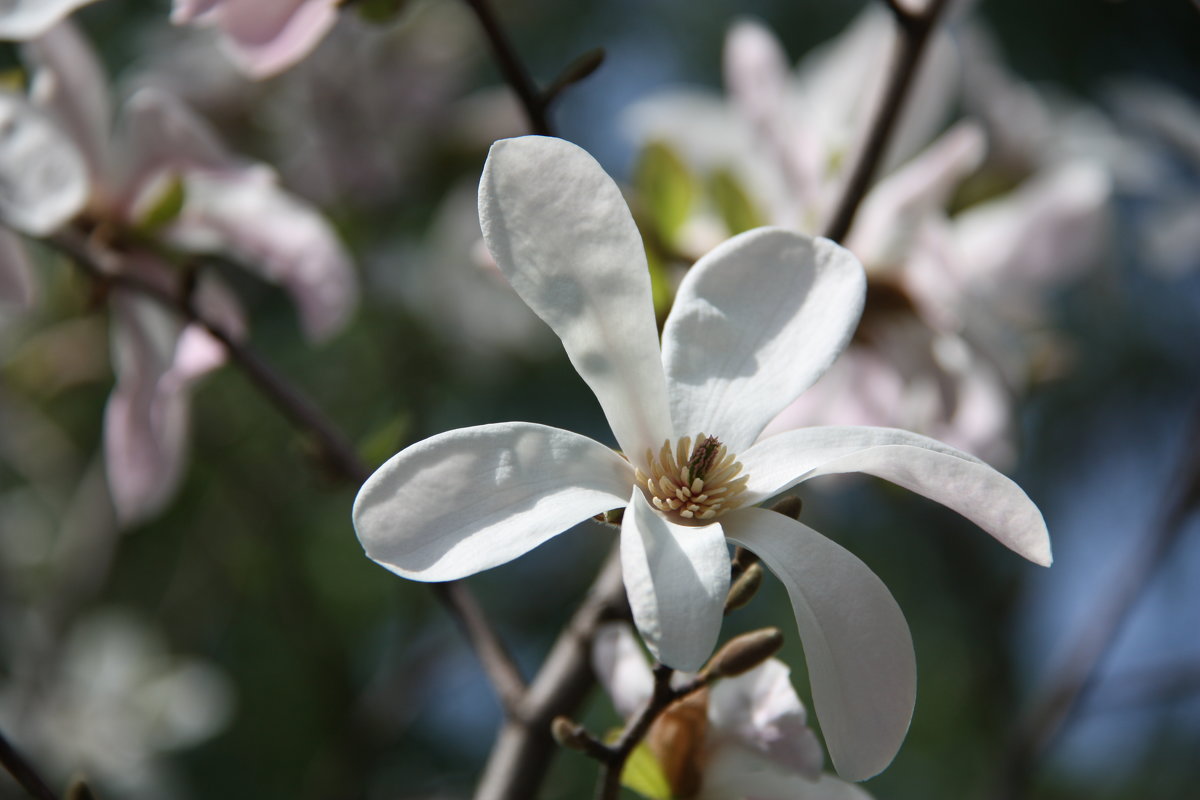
x: 513, y: 69
x: 914, y: 31
x: 23, y: 772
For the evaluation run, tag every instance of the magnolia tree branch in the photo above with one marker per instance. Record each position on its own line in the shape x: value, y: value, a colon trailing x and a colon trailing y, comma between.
x: 23, y: 772
x: 1058, y: 704
x: 515, y: 73
x: 102, y: 265
x: 914, y: 29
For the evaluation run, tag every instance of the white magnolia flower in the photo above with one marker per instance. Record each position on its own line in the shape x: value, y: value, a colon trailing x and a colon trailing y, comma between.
x: 745, y: 736
x: 27, y: 19
x: 755, y: 322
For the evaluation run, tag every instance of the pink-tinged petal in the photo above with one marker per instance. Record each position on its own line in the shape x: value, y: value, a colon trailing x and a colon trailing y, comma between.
x: 892, y: 214
x: 930, y: 468
x: 21, y: 20
x: 160, y: 134
x: 856, y: 643
x: 71, y: 84
x: 756, y: 72
x: 755, y: 323
x: 561, y: 233
x: 474, y: 498
x: 1047, y: 230
x: 676, y: 577
x: 246, y: 215
x: 263, y: 37
x: 145, y: 426
x: 43, y: 178
x: 17, y: 288
x: 733, y: 771
x: 760, y: 709
x: 621, y: 667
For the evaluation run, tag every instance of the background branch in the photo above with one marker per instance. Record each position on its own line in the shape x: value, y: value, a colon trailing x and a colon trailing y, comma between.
x: 23, y: 772
x: 913, y: 31
x: 513, y: 69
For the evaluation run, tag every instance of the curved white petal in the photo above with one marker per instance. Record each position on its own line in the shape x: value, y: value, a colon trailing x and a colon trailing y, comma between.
x: 928, y: 467
x: 856, y: 642
x: 622, y: 669
x: 733, y: 771
x: 761, y: 709
x: 561, y: 233
x: 755, y: 323
x: 676, y: 577
x: 474, y: 498
x: 43, y: 177
x: 262, y: 38
x: 25, y: 19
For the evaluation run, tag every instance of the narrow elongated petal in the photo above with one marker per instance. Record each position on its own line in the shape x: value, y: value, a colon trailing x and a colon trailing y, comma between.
x: 25, y: 19
x: 856, y: 642
x: 755, y: 323
x: 622, y: 669
x: 43, y: 177
x: 928, y: 467
x: 264, y: 38
x: 676, y: 578
x: 561, y: 233
x: 474, y: 498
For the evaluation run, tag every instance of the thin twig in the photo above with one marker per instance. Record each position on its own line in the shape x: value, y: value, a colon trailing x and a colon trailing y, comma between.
x: 515, y: 73
x: 498, y: 663
x: 1059, y: 703
x: 610, y: 780
x: 914, y: 30
x: 102, y: 265
x: 23, y: 772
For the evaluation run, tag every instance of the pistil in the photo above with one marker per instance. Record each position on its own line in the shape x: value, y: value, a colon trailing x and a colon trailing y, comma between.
x: 695, y: 483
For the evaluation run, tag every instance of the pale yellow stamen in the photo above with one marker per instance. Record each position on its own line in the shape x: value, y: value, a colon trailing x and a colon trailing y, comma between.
x: 694, y: 483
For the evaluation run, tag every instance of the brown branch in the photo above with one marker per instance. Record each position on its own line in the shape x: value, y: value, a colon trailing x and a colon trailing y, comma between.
x: 524, y: 746
x: 914, y: 30
x: 23, y: 772
x: 103, y: 266
x: 1058, y: 704
x: 515, y: 73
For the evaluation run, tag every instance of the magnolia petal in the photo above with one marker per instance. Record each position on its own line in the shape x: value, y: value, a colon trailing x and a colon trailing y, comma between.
x: 620, y: 666
x: 756, y: 71
x: 71, y: 84
x: 17, y: 288
x: 733, y: 771
x: 162, y: 134
x: 21, y: 20
x: 263, y: 38
x: 676, y: 577
x: 43, y: 178
x: 928, y: 467
x: 856, y: 643
x: 246, y: 214
x: 755, y: 323
x: 892, y: 213
x: 474, y: 498
x: 145, y: 420
x: 561, y: 233
x: 761, y: 710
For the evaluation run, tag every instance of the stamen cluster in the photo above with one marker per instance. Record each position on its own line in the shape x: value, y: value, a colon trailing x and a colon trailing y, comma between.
x: 696, y: 483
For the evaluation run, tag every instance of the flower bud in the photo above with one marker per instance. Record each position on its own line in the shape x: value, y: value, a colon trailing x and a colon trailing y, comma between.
x: 570, y: 734
x: 744, y: 587
x: 789, y: 506
x: 744, y: 653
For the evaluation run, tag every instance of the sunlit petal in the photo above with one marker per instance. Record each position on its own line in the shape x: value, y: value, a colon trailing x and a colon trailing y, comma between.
x: 474, y: 498
x: 563, y: 236
x: 930, y: 468
x: 677, y: 577
x: 755, y: 323
x: 621, y: 667
x: 856, y: 643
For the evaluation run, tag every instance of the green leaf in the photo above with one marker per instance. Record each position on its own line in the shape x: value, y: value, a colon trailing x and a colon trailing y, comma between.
x: 644, y: 775
x: 662, y: 292
x: 165, y: 208
x: 667, y: 188
x: 733, y: 203
x: 380, y: 12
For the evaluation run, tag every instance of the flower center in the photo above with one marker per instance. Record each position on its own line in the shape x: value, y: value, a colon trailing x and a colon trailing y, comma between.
x: 694, y: 482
